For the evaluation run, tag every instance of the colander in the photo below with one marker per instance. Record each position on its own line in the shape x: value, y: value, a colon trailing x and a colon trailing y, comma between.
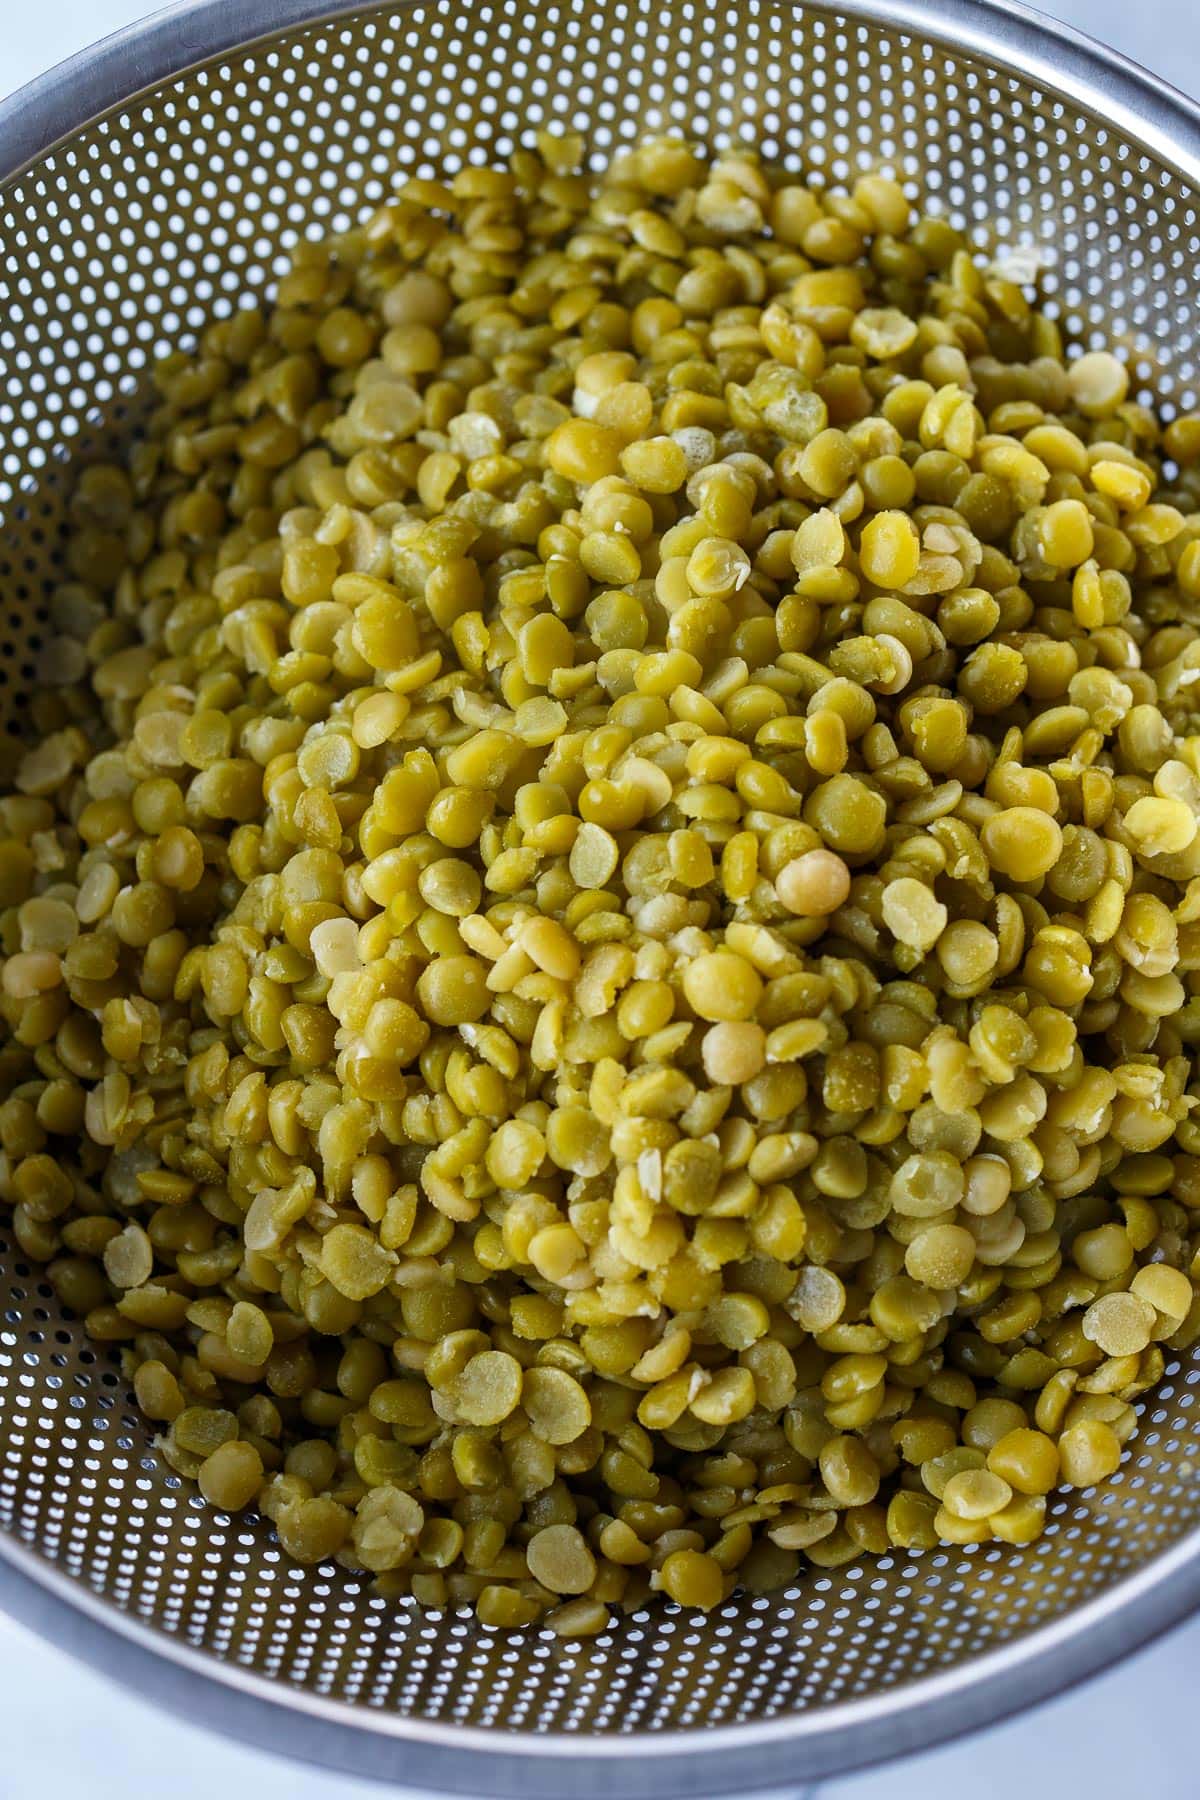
x: 154, y: 183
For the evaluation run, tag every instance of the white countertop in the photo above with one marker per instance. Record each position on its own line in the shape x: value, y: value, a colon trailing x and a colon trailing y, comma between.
x: 63, y: 1727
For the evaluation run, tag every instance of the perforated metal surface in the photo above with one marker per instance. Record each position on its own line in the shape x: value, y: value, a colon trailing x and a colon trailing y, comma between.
x: 179, y: 205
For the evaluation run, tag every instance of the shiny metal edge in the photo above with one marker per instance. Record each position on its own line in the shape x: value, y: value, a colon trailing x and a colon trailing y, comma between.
x: 759, y: 1759
x: 185, y: 36
x: 765, y: 1757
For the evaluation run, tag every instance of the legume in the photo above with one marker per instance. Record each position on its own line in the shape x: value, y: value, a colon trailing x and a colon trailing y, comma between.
x: 616, y: 983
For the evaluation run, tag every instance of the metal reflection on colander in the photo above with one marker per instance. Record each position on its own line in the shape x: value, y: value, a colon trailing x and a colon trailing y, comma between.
x: 127, y: 220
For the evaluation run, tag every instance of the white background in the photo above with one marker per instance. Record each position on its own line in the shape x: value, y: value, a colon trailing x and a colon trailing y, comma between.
x: 64, y: 1729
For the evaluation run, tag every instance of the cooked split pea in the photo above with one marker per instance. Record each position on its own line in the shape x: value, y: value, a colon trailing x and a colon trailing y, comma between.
x: 556, y: 1405
x: 967, y: 951
x: 355, y: 1262
x: 1098, y: 383
x: 913, y: 914
x: 692, y: 1579
x: 722, y: 985
x: 813, y: 884
x: 734, y: 1051
x: 488, y: 1388
x: 453, y: 990
x: 890, y: 549
x: 1027, y: 1460
x: 940, y: 1257
x: 1165, y: 1288
x: 1021, y: 842
x: 849, y: 815
x: 231, y: 1476
x: 620, y: 993
x: 559, y: 1558
x: 129, y: 1258
x: 1119, y: 1324
x: 975, y: 1494
x: 1161, y: 826
x: 1088, y: 1452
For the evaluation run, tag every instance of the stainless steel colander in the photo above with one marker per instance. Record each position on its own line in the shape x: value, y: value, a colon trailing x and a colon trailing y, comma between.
x: 154, y: 183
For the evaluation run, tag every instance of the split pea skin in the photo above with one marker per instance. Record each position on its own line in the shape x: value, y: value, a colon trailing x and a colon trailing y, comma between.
x: 601, y: 916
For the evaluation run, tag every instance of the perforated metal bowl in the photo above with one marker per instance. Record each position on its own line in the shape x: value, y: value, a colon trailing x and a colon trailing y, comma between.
x: 154, y: 183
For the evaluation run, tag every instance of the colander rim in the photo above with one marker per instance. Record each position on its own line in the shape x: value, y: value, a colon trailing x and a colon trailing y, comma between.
x: 754, y: 1758
x: 186, y: 35
x: 758, y: 1755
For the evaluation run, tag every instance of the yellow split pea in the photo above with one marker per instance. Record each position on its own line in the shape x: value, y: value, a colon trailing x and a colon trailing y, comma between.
x: 598, y: 965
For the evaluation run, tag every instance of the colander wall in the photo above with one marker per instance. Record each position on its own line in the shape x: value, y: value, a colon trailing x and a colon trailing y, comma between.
x: 156, y: 183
